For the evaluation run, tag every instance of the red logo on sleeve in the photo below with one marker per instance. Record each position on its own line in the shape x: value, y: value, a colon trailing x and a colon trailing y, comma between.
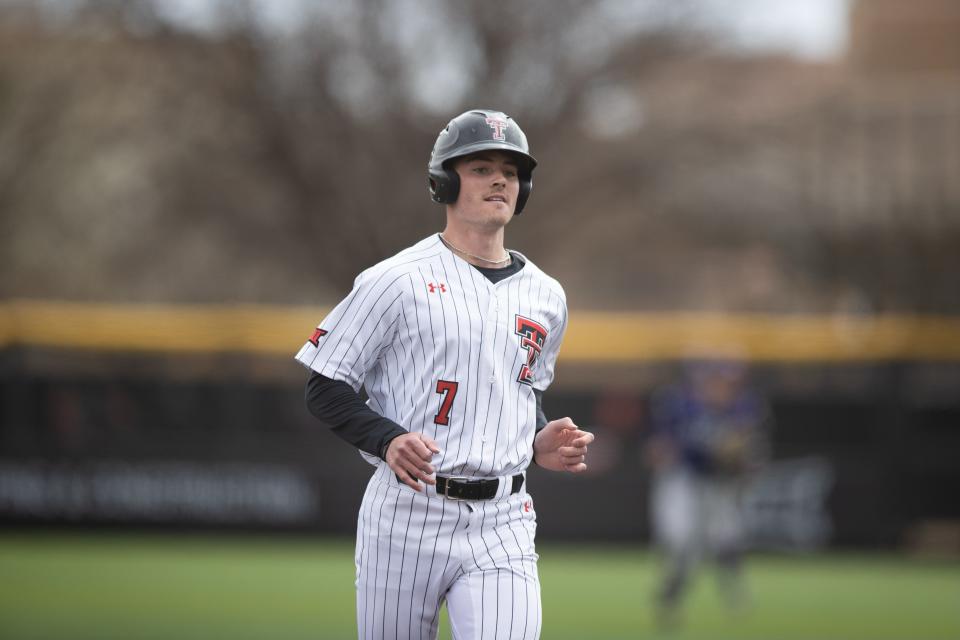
x: 532, y: 336
x: 317, y: 334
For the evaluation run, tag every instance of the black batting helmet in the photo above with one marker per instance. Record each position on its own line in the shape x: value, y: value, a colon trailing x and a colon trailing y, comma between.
x: 478, y: 130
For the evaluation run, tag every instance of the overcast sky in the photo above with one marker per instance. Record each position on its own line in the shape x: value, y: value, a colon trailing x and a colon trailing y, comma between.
x: 808, y: 28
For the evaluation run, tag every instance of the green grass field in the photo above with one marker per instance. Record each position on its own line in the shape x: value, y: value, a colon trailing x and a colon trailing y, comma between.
x: 63, y: 587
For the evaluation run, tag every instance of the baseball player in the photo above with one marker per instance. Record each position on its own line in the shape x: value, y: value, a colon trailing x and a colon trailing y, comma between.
x: 455, y: 340
x: 709, y: 436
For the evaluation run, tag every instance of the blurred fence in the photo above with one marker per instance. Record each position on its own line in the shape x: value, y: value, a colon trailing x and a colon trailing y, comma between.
x: 170, y: 418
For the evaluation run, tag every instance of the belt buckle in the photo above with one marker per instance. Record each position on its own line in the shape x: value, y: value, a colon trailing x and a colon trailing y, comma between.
x: 462, y: 482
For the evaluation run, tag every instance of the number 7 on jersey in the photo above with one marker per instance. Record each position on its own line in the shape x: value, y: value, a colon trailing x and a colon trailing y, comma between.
x: 449, y: 391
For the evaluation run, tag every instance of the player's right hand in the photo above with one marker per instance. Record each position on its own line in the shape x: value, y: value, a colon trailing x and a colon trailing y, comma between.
x: 562, y: 446
x: 409, y: 456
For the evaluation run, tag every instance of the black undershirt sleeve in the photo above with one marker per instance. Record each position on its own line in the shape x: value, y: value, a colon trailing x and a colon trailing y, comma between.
x: 335, y: 403
x: 541, y: 416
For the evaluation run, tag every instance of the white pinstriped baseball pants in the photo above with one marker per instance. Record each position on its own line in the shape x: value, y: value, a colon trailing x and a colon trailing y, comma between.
x: 416, y: 550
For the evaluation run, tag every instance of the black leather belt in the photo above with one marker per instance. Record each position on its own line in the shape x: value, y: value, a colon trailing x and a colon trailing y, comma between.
x: 464, y: 489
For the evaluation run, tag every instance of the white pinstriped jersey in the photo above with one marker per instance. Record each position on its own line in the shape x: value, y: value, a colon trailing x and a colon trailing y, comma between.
x: 443, y: 351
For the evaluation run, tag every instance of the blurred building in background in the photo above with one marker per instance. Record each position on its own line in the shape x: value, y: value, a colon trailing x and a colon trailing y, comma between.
x: 161, y: 184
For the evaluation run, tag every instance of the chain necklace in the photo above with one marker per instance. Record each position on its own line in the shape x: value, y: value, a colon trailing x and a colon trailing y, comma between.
x: 459, y: 250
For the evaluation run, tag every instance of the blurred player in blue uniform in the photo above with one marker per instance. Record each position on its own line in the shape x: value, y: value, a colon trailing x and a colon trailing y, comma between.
x: 709, y: 434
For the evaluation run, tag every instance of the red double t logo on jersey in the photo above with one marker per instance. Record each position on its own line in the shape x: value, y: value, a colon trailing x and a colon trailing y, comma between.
x: 532, y: 336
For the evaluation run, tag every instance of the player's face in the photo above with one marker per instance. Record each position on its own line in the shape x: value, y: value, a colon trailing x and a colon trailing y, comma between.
x: 489, y: 186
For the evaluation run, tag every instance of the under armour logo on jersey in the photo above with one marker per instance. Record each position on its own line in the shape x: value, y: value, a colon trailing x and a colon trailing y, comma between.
x: 498, y: 125
x: 532, y: 337
x: 317, y: 334
x: 433, y: 288
x: 526, y: 506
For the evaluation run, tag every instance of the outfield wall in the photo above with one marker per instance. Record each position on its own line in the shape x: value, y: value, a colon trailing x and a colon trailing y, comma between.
x: 167, y: 417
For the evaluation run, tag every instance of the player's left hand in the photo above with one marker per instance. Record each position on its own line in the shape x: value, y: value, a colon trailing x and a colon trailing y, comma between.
x: 562, y: 446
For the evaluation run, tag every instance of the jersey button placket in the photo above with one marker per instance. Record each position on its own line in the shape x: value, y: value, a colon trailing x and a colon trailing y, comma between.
x: 493, y: 313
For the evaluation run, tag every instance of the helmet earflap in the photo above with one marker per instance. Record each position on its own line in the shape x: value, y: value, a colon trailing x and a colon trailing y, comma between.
x: 473, y: 131
x: 444, y: 185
